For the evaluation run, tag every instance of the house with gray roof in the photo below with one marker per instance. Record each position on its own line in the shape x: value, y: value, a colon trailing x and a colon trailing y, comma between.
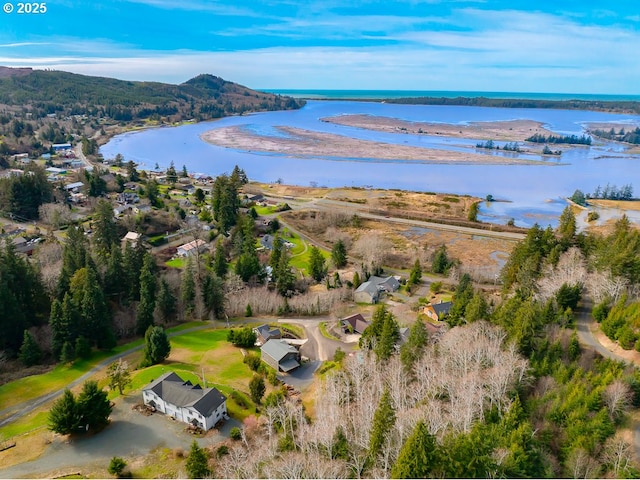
x: 437, y: 311
x: 266, y: 333
x: 184, y: 401
x: 369, y: 291
x: 280, y: 355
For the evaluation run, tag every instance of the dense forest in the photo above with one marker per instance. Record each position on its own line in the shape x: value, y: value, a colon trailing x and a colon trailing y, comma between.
x: 597, y: 105
x: 203, y: 97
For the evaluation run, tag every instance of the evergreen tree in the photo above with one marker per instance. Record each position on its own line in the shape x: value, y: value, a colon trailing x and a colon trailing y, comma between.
x: 356, y: 280
x: 166, y: 305
x: 185, y: 173
x: 388, y: 339
x: 94, y: 407
x: 213, y: 295
x: 59, y: 331
x: 384, y: 419
x: 339, y: 254
x: 116, y: 466
x: 133, y: 260
x: 225, y: 202
x: 477, y: 308
x: 63, y: 416
x: 68, y: 353
x: 567, y: 226
x: 156, y: 346
x: 317, y: 268
x: 418, y: 455
x: 82, y: 348
x: 248, y: 312
x: 30, y: 352
x: 74, y: 257
x: 285, y: 277
x: 197, y: 463
x: 416, y: 274
x: 340, y: 445
x: 440, y: 263
x: 105, y: 233
x: 188, y: 289
x: 414, y: 346
x: 172, y: 176
x: 274, y: 258
x: 238, y: 177
x: 257, y: 388
x: 148, y: 287
x: 88, y: 299
x: 115, y: 283
x: 220, y: 266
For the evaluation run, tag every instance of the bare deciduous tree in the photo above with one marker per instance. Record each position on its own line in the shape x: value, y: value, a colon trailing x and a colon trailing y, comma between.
x: 571, y: 269
x: 617, y: 397
x: 373, y: 248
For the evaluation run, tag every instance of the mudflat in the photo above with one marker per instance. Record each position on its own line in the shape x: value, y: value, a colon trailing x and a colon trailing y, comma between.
x: 309, y: 144
x: 510, y: 131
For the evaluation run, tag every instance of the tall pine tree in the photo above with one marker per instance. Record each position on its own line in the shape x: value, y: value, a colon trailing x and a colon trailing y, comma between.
x: 148, y: 287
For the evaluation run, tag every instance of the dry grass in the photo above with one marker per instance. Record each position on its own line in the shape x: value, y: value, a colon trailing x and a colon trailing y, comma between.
x: 617, y: 204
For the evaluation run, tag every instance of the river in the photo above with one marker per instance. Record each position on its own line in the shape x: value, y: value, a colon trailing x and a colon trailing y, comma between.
x: 533, y: 193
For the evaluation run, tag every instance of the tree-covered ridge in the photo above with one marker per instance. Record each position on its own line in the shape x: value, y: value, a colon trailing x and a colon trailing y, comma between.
x: 202, y: 97
x: 597, y: 105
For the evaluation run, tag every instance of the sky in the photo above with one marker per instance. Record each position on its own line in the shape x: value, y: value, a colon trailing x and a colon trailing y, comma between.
x: 559, y: 46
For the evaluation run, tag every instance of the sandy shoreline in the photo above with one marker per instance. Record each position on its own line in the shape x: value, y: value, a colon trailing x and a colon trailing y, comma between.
x: 305, y: 143
x: 510, y: 131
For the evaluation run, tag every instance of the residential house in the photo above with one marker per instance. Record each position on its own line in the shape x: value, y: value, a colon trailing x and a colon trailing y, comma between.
x: 144, y: 208
x: 74, y: 187
x: 22, y: 158
x: 121, y: 210
x: 266, y: 333
x: 128, y: 197
x: 369, y: 291
x: 354, y: 324
x: 184, y: 401
x: 59, y: 147
x: 132, y: 238
x: 55, y: 170
x: 437, y: 311
x: 280, y: 355
x: 191, y: 248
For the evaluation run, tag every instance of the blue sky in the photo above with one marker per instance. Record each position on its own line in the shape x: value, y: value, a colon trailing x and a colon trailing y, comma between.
x: 564, y: 46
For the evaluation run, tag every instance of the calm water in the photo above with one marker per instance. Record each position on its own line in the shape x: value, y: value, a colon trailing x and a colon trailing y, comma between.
x: 534, y: 192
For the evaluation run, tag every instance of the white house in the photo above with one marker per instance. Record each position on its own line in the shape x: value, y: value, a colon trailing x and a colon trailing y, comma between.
x: 185, y: 401
x: 191, y: 248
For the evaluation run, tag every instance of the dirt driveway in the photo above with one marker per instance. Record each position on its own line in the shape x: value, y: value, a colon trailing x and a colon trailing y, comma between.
x: 130, y: 434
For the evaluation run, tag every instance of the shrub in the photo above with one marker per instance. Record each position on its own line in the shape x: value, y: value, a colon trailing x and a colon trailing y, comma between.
x: 235, y: 433
x: 222, y: 450
x: 253, y: 361
x: 435, y: 287
x: 116, y: 466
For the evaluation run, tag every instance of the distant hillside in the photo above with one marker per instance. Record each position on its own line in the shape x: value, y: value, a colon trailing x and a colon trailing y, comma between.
x: 204, y: 97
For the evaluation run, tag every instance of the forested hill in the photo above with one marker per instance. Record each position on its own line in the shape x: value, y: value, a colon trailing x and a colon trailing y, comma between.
x: 43, y: 92
x: 596, y: 105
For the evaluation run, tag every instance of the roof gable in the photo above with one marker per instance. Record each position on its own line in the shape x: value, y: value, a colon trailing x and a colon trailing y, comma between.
x: 173, y: 389
x: 277, y: 349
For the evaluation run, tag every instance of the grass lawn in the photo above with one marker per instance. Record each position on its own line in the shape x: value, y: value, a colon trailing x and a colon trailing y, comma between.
x: 175, y: 263
x: 325, y: 333
x: 264, y: 210
x: 33, y: 386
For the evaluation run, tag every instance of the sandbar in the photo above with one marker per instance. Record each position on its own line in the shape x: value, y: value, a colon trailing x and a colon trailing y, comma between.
x: 308, y: 144
x: 509, y: 130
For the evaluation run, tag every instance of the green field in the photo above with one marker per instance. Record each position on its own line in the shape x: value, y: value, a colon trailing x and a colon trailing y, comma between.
x: 192, y: 354
x: 175, y: 263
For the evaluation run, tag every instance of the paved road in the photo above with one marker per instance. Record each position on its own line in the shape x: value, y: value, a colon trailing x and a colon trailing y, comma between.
x: 16, y: 411
x: 352, y: 208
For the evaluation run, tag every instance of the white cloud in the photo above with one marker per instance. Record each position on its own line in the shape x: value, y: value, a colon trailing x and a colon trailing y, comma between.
x: 482, y: 50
